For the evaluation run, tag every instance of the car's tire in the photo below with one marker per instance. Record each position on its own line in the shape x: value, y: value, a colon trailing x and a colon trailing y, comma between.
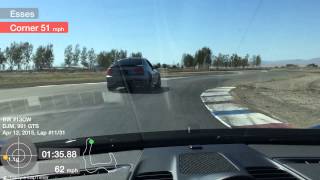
x: 111, y: 88
x: 148, y: 84
x: 158, y: 85
x: 131, y: 88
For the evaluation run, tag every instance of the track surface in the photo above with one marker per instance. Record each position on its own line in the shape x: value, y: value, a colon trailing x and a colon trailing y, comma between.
x: 90, y: 109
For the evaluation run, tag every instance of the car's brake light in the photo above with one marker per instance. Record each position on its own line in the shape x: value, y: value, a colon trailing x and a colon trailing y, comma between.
x: 138, y: 70
x: 109, y: 72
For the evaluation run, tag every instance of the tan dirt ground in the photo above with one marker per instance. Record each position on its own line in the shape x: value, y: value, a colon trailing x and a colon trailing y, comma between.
x: 294, y: 99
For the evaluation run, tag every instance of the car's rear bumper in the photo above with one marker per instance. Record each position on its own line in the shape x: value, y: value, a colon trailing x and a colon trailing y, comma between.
x: 119, y: 81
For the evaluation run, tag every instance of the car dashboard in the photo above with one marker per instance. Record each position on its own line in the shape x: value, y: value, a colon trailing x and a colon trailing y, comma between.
x: 217, y: 161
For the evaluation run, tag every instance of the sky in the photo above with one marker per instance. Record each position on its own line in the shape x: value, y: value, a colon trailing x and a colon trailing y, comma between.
x: 165, y: 29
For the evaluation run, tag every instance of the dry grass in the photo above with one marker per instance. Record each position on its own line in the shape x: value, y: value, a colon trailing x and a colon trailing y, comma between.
x: 23, y: 79
x: 28, y: 79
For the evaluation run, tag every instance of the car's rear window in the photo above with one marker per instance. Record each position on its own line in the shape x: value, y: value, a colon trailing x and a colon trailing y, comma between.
x: 130, y: 62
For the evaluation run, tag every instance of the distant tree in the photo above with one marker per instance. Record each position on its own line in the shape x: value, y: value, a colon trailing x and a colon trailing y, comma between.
x: 104, y: 59
x: 214, y: 59
x: 165, y: 66
x: 258, y: 60
x: 18, y: 55
x: 68, y: 55
x: 44, y: 57
x: 137, y: 54
x: 38, y: 58
x: 218, y: 61
x: 226, y: 60
x: 203, y: 56
x: 115, y: 54
x: 158, y: 65
x: 27, y: 49
x: 84, y: 57
x: 122, y: 54
x: 312, y: 65
x: 8, y: 56
x: 111, y: 55
x: 14, y: 55
x: 3, y: 59
x: 245, y: 61
x: 291, y: 66
x: 208, y: 60
x: 188, y: 60
x: 233, y: 60
x: 236, y: 60
x: 254, y: 60
x: 92, y: 58
x: 49, y: 56
x: 76, y: 55
x: 198, y: 57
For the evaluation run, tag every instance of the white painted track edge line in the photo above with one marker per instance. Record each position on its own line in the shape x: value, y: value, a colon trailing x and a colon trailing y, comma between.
x: 75, y: 84
x: 217, y: 117
x: 203, y: 96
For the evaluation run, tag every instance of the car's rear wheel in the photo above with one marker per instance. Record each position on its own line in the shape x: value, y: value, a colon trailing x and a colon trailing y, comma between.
x: 148, y: 85
x: 111, y: 88
x: 129, y: 86
x: 158, y: 85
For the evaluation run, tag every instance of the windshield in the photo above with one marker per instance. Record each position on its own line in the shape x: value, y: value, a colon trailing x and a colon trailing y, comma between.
x: 213, y: 65
x: 129, y: 62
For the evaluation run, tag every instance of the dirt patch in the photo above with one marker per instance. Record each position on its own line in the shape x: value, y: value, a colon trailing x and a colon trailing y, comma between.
x: 292, y: 99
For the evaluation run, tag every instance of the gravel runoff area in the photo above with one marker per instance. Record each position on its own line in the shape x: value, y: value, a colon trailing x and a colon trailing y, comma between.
x: 294, y: 99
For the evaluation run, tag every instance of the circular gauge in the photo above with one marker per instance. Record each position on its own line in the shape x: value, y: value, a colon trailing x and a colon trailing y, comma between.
x: 18, y: 155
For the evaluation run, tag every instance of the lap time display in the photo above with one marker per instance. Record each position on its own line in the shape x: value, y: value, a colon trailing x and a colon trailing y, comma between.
x: 58, y: 153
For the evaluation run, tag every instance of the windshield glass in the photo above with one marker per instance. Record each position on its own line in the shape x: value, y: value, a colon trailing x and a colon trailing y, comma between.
x: 129, y: 62
x: 213, y: 65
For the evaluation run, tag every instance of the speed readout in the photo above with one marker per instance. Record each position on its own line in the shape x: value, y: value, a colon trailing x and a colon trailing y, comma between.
x: 58, y: 153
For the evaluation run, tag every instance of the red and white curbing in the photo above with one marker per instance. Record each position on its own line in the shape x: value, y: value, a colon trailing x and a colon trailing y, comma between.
x: 219, y: 102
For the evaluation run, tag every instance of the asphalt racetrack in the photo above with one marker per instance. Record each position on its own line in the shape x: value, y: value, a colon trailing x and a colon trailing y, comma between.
x: 84, y: 110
